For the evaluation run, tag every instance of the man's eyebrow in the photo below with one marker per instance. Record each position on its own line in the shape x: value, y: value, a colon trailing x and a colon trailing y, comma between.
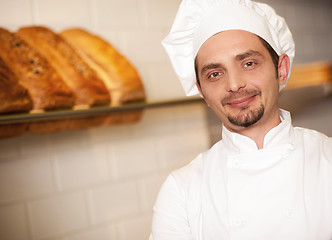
x: 247, y: 54
x: 211, y: 66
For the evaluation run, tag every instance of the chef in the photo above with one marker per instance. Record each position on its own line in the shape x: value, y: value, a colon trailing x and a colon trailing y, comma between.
x: 265, y: 180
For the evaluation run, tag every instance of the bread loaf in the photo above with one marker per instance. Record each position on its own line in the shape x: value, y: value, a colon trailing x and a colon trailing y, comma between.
x: 117, y: 72
x: 34, y: 72
x: 84, y: 82
x: 13, y: 96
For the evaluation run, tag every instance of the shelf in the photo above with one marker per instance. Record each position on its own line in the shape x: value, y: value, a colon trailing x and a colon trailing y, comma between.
x: 93, y: 111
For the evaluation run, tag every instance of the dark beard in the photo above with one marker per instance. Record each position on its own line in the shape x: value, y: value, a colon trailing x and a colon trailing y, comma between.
x: 247, y: 119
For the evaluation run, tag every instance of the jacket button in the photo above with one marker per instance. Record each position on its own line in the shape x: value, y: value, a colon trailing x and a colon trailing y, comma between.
x: 238, y: 222
x: 237, y: 164
x: 234, y: 164
x: 289, y: 214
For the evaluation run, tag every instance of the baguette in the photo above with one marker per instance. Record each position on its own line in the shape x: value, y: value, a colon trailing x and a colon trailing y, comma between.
x: 118, y: 74
x: 13, y: 96
x: 84, y: 82
x: 34, y: 72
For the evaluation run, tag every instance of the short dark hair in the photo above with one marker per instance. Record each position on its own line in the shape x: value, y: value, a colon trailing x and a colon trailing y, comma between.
x: 273, y: 54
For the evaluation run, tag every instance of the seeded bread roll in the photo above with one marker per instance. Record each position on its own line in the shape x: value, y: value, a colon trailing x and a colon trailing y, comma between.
x: 13, y: 96
x: 84, y: 82
x: 34, y: 73
x: 115, y: 70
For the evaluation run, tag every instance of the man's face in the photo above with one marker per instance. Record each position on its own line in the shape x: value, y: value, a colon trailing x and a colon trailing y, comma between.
x: 238, y: 79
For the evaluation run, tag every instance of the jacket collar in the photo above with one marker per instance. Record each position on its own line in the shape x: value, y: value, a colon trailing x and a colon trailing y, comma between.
x: 276, y: 138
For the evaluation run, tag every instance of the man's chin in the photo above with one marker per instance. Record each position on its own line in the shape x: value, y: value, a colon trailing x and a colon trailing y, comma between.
x: 246, y: 117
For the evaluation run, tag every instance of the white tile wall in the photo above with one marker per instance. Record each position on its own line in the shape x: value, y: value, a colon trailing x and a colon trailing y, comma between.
x: 92, y: 162
x: 10, y: 149
x: 101, y: 183
x: 13, y: 224
x: 311, y: 24
x: 131, y: 160
x: 180, y: 148
x: 100, y: 233
x: 62, y: 13
x: 149, y: 187
x: 120, y: 14
x: 34, y: 144
x: 135, y: 228
x: 25, y: 177
x: 146, y: 47
x: 159, y: 77
x: 120, y: 200
x: 161, y: 13
x: 14, y: 13
x: 58, y: 214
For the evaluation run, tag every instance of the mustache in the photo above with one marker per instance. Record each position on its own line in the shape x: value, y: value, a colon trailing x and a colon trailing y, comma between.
x: 241, y: 94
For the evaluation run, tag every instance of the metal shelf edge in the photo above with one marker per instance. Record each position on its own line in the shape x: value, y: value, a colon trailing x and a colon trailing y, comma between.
x: 93, y: 111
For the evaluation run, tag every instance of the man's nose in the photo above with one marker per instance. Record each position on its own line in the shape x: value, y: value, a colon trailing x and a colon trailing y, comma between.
x: 235, y: 81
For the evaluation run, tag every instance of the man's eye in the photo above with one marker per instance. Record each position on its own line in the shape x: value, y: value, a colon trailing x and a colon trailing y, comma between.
x: 214, y: 75
x: 249, y: 64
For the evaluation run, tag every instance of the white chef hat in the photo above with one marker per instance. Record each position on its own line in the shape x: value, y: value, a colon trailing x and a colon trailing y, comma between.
x: 198, y: 20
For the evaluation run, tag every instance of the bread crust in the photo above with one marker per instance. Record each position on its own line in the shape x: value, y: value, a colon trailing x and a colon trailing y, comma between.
x: 84, y: 82
x: 118, y: 74
x: 34, y: 72
x: 13, y: 96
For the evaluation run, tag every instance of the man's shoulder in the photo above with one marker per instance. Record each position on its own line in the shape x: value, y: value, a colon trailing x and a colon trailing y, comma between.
x: 314, y: 135
x: 190, y: 170
x: 316, y: 141
x: 194, y: 169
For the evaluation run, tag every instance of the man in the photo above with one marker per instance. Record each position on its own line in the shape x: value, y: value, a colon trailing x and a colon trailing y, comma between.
x: 265, y: 179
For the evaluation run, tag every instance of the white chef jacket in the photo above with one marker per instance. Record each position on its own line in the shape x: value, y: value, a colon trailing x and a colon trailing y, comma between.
x: 235, y: 191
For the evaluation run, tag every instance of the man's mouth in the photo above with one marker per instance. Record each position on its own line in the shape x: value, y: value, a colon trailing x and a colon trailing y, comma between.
x: 241, y: 102
x: 242, y: 99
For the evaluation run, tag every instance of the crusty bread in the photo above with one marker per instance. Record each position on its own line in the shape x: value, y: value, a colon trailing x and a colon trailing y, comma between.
x: 117, y: 72
x: 84, y: 82
x: 43, y: 83
x: 13, y: 96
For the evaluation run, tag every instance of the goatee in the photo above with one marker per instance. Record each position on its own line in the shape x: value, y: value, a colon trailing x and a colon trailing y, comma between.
x: 247, y: 118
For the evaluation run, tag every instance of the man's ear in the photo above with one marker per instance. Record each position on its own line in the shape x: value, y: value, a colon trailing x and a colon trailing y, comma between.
x: 283, y: 68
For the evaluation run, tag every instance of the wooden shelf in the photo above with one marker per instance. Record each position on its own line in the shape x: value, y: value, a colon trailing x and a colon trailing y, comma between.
x: 310, y: 74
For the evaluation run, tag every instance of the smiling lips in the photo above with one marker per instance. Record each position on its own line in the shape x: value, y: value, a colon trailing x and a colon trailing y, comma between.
x: 240, y: 100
